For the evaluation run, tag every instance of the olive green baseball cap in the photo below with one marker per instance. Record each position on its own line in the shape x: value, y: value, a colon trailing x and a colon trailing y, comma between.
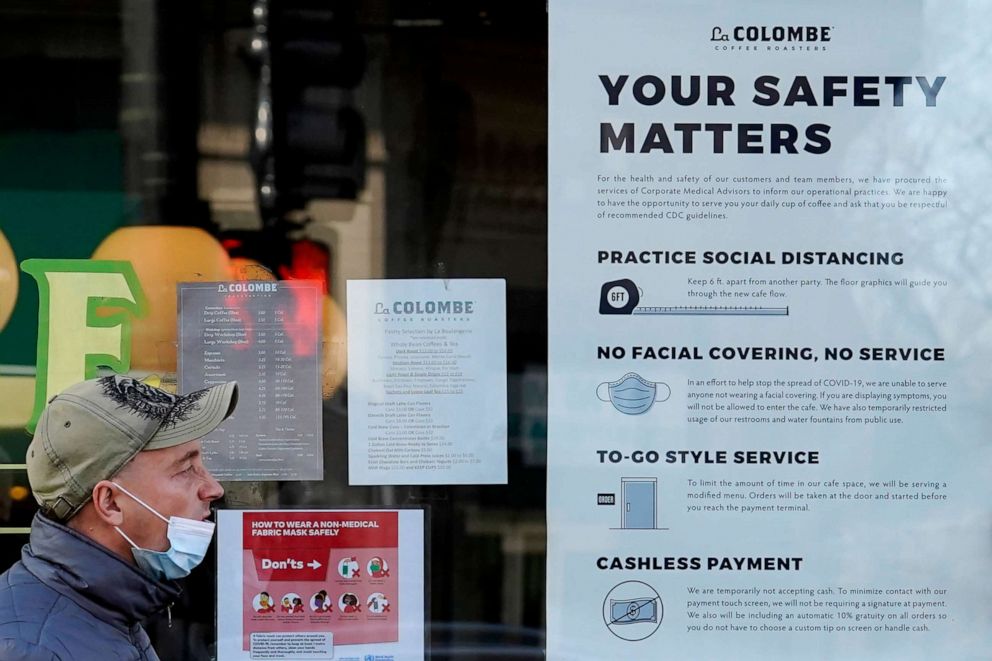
x: 90, y: 430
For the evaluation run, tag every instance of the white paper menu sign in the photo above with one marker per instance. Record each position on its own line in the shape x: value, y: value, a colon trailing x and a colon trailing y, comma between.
x: 427, y: 381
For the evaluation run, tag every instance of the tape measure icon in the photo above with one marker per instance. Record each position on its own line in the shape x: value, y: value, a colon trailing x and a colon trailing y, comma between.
x: 624, y: 297
x: 619, y: 297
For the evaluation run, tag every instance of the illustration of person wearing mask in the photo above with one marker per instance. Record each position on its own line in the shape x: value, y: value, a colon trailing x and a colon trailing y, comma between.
x: 321, y: 603
x: 377, y: 568
x: 265, y: 603
x: 350, y: 602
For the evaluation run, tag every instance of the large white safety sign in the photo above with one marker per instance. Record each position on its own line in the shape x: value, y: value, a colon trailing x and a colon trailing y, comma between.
x: 769, y: 330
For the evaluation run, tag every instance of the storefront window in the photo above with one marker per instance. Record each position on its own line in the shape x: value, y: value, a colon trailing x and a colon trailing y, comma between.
x: 136, y: 136
x: 569, y: 330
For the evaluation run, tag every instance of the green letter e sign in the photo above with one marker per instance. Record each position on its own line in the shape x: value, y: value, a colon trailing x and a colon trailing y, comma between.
x: 73, y: 341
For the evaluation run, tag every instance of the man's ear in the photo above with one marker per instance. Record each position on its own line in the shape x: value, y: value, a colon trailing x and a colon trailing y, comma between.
x: 106, y: 503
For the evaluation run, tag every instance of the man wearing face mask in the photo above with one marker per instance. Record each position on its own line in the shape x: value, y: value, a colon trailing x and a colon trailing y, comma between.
x: 117, y: 468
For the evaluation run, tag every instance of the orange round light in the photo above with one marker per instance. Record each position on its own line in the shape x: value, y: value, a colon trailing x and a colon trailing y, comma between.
x: 8, y: 280
x: 18, y: 493
x: 163, y: 256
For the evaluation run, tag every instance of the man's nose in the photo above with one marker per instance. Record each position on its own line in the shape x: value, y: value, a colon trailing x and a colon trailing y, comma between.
x: 211, y: 489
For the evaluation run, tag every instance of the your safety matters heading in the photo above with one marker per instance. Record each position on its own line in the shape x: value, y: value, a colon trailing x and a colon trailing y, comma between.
x: 746, y: 137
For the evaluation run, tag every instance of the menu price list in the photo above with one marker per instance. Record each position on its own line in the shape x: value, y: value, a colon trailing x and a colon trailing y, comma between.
x: 266, y: 336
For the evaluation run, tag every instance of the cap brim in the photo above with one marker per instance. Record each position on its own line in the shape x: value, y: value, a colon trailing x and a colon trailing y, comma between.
x: 195, y: 415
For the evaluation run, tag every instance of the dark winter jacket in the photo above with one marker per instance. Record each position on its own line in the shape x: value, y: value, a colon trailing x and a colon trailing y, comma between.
x: 70, y: 599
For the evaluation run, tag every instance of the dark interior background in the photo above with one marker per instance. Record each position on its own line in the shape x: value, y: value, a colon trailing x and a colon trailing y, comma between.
x: 454, y: 98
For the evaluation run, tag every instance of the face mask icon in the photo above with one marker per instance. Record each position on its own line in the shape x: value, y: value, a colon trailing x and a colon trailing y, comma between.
x: 632, y: 394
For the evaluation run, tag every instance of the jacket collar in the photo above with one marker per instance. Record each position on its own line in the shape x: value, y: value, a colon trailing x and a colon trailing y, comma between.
x: 92, y: 576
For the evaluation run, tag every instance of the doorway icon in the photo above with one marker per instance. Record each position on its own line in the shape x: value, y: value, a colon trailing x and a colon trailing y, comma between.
x: 639, y: 503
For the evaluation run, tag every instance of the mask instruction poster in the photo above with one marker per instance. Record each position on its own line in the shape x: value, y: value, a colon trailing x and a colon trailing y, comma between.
x: 321, y: 584
x: 427, y: 381
x: 769, y: 331
x: 266, y: 336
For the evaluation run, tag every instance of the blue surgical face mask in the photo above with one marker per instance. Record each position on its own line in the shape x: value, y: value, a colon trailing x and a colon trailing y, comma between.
x: 188, y: 543
x: 632, y: 394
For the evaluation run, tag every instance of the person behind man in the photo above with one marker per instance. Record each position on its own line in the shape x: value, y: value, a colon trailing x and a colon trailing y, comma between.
x: 117, y: 469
